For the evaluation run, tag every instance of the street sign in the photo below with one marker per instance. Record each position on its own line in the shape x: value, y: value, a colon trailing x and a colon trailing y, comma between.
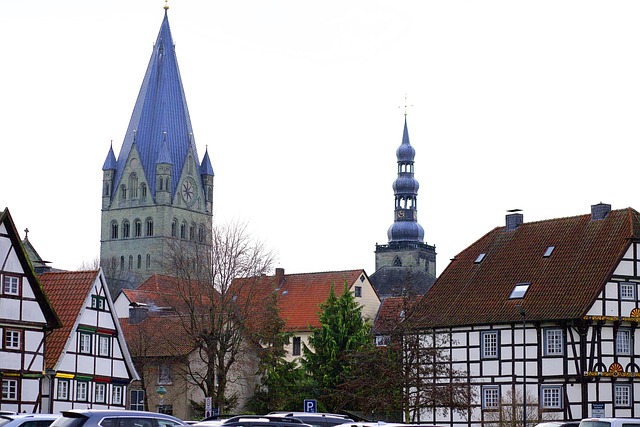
x: 597, y: 410
x: 208, y: 405
x: 310, y: 405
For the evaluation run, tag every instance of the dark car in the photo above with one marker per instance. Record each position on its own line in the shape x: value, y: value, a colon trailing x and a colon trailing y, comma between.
x: 316, y: 419
x: 115, y: 418
x: 263, y: 421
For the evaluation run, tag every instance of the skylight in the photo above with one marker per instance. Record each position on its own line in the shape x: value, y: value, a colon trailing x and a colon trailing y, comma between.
x: 480, y: 258
x: 548, y: 252
x: 519, y: 290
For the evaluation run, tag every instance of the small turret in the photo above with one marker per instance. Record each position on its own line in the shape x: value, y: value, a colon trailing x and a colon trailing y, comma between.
x: 206, y: 172
x: 108, y: 173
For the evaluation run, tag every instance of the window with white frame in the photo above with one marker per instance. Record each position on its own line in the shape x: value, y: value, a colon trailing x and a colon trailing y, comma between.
x: 82, y: 388
x: 551, y: 397
x: 11, y: 285
x: 85, y: 343
x: 382, y: 340
x: 9, y: 390
x: 297, y: 346
x: 100, y: 393
x: 553, y: 342
x: 623, y: 341
x: 628, y: 291
x: 489, y: 344
x: 165, y: 375
x: 490, y: 397
x: 116, y: 395
x: 104, y: 344
x: 622, y: 395
x: 136, y: 400
x: 63, y: 389
x: 11, y: 339
x: 98, y: 302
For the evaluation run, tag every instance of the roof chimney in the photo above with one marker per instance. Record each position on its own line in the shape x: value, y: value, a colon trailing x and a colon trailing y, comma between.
x: 279, y: 276
x: 137, y: 313
x: 514, y: 219
x: 600, y: 211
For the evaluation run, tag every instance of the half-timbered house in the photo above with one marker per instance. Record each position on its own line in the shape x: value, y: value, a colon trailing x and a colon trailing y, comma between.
x: 26, y: 318
x: 544, y: 316
x: 87, y: 359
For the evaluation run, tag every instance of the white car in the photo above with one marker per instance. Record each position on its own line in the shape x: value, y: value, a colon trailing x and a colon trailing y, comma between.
x: 27, y: 420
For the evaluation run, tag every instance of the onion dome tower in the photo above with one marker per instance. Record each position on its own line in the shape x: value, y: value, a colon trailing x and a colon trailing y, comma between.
x: 406, y: 263
x: 157, y: 194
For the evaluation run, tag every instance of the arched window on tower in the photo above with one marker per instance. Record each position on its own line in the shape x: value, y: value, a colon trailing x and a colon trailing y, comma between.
x: 201, y: 233
x: 143, y: 191
x: 149, y: 227
x: 397, y: 262
x: 133, y: 185
x: 113, y: 263
x: 130, y: 262
x: 139, y: 261
x: 174, y: 228
x: 114, y: 230
x: 107, y: 189
x: 192, y: 232
x: 160, y: 180
x: 125, y: 229
x: 122, y: 262
x: 166, y: 184
x: 137, y: 228
x: 148, y: 261
x: 123, y: 192
x: 183, y: 230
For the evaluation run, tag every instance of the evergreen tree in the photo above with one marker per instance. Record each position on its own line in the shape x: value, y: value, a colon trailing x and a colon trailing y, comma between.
x: 342, y: 331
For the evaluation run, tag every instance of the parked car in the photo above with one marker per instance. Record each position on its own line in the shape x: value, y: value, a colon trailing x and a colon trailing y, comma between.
x: 610, y: 422
x: 559, y: 424
x: 27, y: 420
x: 263, y: 421
x: 316, y: 419
x: 114, y: 418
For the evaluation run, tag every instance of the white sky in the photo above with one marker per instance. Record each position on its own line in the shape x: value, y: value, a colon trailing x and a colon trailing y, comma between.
x: 516, y: 104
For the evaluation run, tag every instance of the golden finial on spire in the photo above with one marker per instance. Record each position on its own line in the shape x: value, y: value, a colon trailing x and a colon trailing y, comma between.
x: 166, y: 4
x: 405, y: 105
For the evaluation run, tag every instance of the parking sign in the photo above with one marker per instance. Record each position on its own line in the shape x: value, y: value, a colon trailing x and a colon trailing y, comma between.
x: 310, y: 405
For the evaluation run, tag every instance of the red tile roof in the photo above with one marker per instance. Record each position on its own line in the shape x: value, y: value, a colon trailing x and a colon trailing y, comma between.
x: 300, y: 295
x: 156, y: 336
x: 67, y: 291
x: 392, y: 311
x: 563, y: 285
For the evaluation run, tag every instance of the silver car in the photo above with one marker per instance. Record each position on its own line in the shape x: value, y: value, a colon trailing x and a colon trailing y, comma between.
x: 27, y: 420
x: 115, y: 418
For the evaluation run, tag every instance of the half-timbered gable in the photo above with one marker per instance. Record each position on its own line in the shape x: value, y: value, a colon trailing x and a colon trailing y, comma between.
x: 25, y: 319
x: 88, y: 357
x: 563, y: 292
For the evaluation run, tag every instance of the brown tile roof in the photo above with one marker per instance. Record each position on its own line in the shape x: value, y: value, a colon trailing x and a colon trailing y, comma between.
x: 300, y: 295
x: 67, y: 292
x: 392, y: 312
x: 563, y: 285
x: 156, y: 336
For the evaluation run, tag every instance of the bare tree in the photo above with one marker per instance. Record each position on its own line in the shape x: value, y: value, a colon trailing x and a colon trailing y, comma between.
x: 224, y: 309
x: 509, y: 412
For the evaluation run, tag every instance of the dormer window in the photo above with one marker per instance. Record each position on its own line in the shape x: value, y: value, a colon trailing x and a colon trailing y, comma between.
x: 519, y: 290
x: 549, y: 251
x: 480, y: 258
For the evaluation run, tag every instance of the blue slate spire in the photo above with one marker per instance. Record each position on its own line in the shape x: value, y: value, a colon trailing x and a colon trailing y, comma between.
x: 161, y: 108
x: 205, y: 167
x: 110, y: 162
x: 405, y: 227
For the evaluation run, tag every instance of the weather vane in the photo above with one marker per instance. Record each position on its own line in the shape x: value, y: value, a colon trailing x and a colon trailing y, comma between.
x: 166, y: 4
x: 406, y: 106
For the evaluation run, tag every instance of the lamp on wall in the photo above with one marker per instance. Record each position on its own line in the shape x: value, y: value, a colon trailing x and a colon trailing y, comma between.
x: 161, y: 392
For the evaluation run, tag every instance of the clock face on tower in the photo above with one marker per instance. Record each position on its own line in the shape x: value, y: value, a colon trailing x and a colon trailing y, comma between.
x: 188, y: 191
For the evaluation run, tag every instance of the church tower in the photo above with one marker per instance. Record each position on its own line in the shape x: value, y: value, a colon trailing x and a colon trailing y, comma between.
x: 157, y: 192
x: 406, y: 257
